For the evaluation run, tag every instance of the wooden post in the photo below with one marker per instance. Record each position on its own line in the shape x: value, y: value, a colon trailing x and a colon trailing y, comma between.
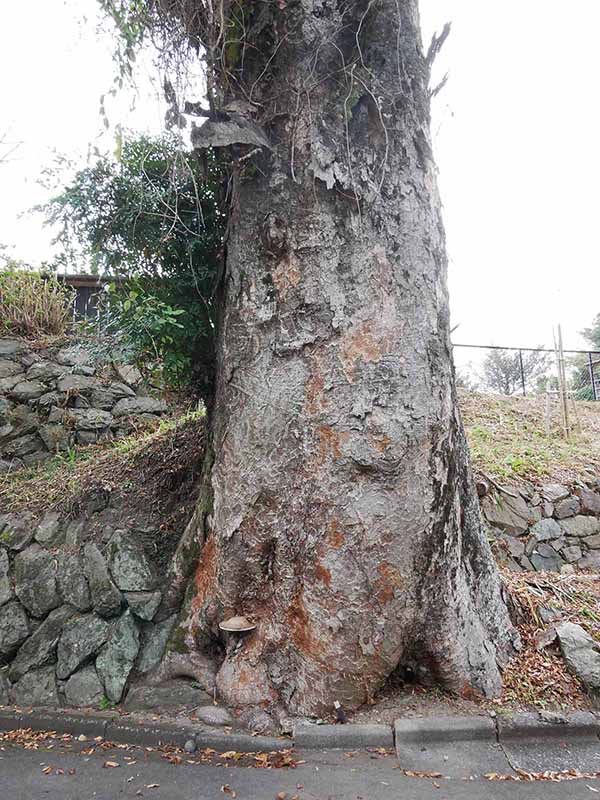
x: 522, y: 372
x: 592, y: 381
x: 562, y: 382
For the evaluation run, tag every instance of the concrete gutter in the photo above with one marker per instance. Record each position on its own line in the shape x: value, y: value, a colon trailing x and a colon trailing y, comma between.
x: 309, y: 736
x: 125, y: 730
x: 418, y: 741
x: 459, y: 747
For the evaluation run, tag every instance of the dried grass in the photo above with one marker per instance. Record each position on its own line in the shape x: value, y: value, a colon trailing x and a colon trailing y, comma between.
x: 148, y: 466
x: 508, y: 439
x: 32, y: 305
x: 539, y: 677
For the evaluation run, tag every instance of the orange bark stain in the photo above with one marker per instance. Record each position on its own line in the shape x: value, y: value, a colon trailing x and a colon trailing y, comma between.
x: 323, y: 574
x: 380, y: 443
x: 335, y: 537
x: 206, y: 573
x: 330, y: 441
x: 300, y: 629
x: 390, y: 579
x: 315, y: 401
x: 243, y: 677
x: 361, y: 344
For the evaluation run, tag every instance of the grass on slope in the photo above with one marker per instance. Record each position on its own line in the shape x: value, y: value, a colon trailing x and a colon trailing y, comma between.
x: 509, y: 439
x: 147, y: 466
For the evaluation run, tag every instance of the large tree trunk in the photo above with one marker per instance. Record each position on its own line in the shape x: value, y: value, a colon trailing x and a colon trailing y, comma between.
x: 340, y: 514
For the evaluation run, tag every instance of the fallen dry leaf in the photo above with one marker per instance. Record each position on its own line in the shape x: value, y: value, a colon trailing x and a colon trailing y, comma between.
x: 413, y: 773
x: 111, y: 764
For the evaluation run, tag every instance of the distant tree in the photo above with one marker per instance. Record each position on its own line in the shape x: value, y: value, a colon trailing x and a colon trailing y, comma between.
x: 7, y: 148
x: 582, y: 374
x: 592, y: 334
x: 502, y: 370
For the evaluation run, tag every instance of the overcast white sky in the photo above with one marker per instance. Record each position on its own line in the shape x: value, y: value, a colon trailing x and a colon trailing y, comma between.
x: 516, y: 133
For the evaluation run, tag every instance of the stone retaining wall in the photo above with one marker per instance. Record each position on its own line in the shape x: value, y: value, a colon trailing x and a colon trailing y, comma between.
x: 552, y: 528
x: 52, y: 398
x: 77, y: 610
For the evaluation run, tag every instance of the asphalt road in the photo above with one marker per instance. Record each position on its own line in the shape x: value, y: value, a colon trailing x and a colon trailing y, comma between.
x: 68, y: 771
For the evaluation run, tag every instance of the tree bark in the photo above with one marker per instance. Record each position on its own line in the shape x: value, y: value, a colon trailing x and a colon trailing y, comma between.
x: 339, y: 514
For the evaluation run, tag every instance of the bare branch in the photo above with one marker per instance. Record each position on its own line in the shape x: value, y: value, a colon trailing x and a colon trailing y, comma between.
x: 7, y: 148
x: 437, y: 42
x: 438, y: 88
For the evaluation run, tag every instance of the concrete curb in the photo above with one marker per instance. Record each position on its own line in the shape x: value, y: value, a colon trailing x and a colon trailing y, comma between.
x: 310, y: 736
x: 431, y: 730
x: 124, y: 730
x: 527, y: 725
x: 438, y: 730
x: 410, y: 733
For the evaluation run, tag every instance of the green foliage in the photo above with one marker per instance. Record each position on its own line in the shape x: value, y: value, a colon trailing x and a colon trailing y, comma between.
x: 105, y: 703
x: 153, y: 218
x: 31, y: 304
x: 131, y: 20
x: 592, y: 335
x: 69, y: 457
x: 136, y: 325
x: 502, y: 370
x: 582, y: 379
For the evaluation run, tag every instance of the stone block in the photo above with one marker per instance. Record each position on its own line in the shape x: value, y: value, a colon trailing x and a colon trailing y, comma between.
x: 40, y: 648
x: 83, y: 635
x: 568, y: 507
x: 14, y: 628
x: 553, y: 492
x: 590, y: 501
x: 36, y: 583
x: 37, y: 688
x: 580, y: 526
x: 116, y: 660
x: 106, y: 598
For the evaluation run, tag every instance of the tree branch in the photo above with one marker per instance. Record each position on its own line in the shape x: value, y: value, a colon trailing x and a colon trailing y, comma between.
x: 437, y: 42
x: 438, y: 88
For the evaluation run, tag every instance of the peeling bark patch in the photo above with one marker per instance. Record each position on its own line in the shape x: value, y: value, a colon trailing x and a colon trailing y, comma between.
x: 335, y: 537
x: 330, y: 442
x: 323, y: 574
x: 286, y: 275
x: 315, y: 401
x: 206, y: 572
x: 362, y: 344
x: 300, y: 629
x: 380, y: 443
x: 391, y: 579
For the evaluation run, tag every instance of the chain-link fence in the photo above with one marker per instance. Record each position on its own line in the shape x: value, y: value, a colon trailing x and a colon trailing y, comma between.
x: 527, y: 371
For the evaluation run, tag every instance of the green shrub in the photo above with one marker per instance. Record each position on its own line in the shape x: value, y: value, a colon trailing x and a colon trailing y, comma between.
x: 32, y: 304
x: 154, y: 218
x: 135, y: 324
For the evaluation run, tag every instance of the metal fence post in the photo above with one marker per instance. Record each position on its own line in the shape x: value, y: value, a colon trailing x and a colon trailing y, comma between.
x: 522, y: 372
x: 592, y: 381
